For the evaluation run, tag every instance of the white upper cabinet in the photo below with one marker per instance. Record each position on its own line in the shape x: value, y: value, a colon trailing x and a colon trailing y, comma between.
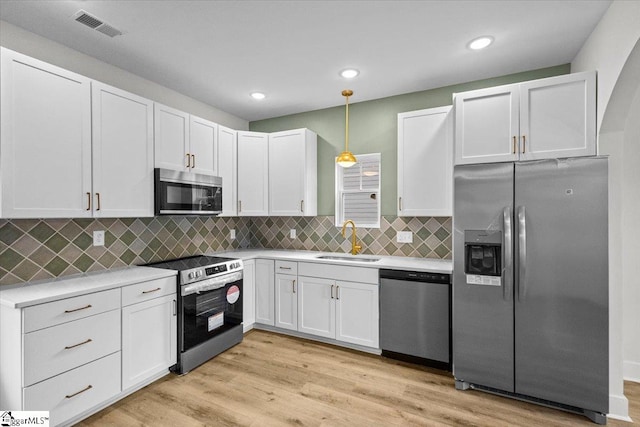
x: 425, y: 162
x: 558, y: 117
x: 486, y: 125
x: 45, y: 140
x: 171, y: 138
x: 184, y: 142
x: 541, y: 119
x: 122, y: 126
x: 203, y: 146
x: 293, y: 173
x: 72, y: 147
x: 253, y: 173
x: 228, y: 169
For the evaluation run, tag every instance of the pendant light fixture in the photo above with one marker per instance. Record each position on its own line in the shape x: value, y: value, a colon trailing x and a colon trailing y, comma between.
x: 346, y: 159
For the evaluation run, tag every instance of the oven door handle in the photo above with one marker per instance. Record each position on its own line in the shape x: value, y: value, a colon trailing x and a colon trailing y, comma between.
x: 210, y: 284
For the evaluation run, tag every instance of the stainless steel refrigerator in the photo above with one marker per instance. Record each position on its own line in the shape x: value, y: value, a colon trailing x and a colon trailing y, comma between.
x: 530, y: 284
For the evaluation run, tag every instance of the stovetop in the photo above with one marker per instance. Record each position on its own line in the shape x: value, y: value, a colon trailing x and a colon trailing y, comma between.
x: 199, y: 267
x: 190, y: 262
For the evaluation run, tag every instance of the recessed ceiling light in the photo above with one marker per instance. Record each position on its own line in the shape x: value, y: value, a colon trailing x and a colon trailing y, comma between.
x: 349, y: 73
x: 258, y: 95
x: 480, y: 42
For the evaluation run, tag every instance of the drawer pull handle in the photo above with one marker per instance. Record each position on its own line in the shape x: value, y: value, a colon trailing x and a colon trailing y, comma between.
x: 152, y: 290
x: 78, y: 309
x: 79, y: 344
x: 69, y: 396
x: 337, y: 292
x: 284, y: 268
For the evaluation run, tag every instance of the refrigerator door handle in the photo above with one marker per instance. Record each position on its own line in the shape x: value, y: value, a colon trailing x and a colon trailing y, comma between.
x: 507, y: 262
x: 522, y: 252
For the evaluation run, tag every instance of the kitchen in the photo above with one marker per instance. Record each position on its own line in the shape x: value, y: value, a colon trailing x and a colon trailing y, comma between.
x: 142, y: 240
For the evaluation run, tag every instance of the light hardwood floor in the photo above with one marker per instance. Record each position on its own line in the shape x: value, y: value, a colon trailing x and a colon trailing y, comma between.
x: 271, y: 379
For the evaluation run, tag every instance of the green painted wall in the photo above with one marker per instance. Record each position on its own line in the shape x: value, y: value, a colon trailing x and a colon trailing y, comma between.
x: 373, y: 129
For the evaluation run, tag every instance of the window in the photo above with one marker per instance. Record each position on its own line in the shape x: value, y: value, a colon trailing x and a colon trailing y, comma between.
x: 358, y: 192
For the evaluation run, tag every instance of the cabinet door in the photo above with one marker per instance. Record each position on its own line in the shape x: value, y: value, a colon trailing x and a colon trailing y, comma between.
x: 249, y: 294
x: 558, y: 117
x: 425, y: 162
x: 292, y: 173
x: 316, y: 306
x: 203, y: 146
x: 171, y: 133
x: 228, y: 169
x: 286, y: 302
x: 45, y: 140
x: 265, y: 301
x: 253, y: 174
x: 122, y: 153
x: 357, y: 313
x: 149, y: 339
x: 487, y: 125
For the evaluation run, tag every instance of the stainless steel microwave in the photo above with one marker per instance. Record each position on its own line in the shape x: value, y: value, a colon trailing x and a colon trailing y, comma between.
x: 187, y: 193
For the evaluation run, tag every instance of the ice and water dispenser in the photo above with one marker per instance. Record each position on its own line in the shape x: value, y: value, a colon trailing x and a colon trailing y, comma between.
x: 483, y: 257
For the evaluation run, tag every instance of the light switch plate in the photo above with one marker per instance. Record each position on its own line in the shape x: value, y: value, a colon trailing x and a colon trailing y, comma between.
x: 98, y: 238
x: 232, y: 233
x: 404, y: 237
x: 292, y: 233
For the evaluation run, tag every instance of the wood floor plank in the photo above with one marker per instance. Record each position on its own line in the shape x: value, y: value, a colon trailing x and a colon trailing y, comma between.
x: 276, y: 380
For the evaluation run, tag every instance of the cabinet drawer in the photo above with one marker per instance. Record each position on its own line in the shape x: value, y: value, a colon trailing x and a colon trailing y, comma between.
x: 62, y: 311
x: 54, y: 350
x: 73, y: 392
x: 340, y: 272
x: 287, y: 267
x: 148, y: 290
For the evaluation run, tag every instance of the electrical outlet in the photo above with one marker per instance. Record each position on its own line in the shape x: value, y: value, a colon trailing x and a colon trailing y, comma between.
x: 98, y: 238
x: 232, y: 234
x: 404, y: 237
x: 292, y: 233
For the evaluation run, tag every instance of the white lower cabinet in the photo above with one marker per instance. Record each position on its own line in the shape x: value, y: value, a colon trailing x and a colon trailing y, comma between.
x: 357, y: 313
x: 248, y: 294
x: 73, y: 356
x: 286, y: 304
x: 265, y: 303
x: 67, y: 395
x: 345, y: 311
x: 149, y: 339
x: 316, y: 307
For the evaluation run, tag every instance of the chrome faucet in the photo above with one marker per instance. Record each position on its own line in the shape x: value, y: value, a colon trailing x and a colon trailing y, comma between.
x: 355, y: 247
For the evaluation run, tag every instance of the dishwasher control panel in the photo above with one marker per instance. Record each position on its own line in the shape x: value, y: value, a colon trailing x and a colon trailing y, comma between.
x: 416, y: 276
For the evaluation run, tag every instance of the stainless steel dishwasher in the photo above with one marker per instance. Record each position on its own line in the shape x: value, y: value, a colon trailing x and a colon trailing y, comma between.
x: 415, y: 317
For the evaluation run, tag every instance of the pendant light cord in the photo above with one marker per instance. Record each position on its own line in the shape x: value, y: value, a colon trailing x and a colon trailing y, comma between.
x: 346, y: 128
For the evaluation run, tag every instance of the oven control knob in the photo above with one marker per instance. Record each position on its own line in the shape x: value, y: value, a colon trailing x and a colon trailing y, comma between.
x: 199, y: 273
x: 192, y: 275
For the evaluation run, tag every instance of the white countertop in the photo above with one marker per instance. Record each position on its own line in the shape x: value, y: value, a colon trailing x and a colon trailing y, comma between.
x: 32, y: 293
x: 390, y: 262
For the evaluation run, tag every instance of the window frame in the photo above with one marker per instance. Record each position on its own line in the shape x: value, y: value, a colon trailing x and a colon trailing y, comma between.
x: 340, y: 191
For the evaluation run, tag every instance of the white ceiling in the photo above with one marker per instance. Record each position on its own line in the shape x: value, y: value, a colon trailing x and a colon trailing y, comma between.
x: 220, y: 51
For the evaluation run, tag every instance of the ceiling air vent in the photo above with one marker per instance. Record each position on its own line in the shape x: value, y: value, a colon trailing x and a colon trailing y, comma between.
x: 92, y: 22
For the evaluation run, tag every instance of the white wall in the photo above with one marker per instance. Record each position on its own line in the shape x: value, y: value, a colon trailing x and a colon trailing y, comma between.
x: 608, y: 51
x: 631, y: 240
x: 31, y: 44
x: 608, y: 47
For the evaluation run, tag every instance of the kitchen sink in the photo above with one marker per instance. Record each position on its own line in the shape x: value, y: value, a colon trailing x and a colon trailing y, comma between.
x: 351, y: 258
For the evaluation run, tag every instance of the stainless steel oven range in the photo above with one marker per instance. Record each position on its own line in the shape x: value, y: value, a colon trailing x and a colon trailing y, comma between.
x: 209, y: 307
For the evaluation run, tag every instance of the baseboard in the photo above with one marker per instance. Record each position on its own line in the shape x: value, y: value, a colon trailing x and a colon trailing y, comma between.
x: 619, y: 408
x: 631, y: 371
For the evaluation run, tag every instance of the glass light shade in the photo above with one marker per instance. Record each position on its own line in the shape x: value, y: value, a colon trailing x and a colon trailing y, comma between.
x: 346, y: 159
